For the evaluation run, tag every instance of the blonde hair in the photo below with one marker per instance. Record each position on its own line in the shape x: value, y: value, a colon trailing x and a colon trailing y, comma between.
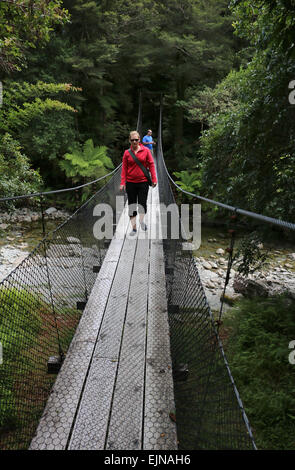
x: 134, y: 132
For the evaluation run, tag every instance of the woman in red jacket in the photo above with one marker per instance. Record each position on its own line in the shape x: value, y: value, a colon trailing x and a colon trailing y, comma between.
x: 134, y: 180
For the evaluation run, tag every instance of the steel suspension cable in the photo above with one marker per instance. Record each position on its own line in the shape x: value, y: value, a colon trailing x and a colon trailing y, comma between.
x: 25, y: 196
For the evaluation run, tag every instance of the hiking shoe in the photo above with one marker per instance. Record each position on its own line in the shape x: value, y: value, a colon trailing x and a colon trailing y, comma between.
x: 143, y: 226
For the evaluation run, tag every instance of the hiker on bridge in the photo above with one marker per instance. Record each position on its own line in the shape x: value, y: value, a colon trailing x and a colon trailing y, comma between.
x: 148, y: 141
x: 136, y: 179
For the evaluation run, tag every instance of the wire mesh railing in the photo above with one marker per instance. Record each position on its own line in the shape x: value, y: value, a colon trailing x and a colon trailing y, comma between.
x: 210, y: 414
x: 40, y: 307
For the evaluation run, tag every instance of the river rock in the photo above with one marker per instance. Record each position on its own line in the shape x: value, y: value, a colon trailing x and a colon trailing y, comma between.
x: 214, y: 265
x: 250, y: 287
x: 220, y: 272
x: 220, y: 251
x: 231, y: 297
x: 50, y: 210
x: 210, y: 285
x: 26, y: 218
x: 4, y: 226
x: 206, y: 265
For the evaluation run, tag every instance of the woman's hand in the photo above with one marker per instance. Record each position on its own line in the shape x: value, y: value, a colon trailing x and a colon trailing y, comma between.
x: 154, y: 185
x: 122, y: 187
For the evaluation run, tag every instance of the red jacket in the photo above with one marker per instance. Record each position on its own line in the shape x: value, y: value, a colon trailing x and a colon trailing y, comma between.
x: 131, y: 172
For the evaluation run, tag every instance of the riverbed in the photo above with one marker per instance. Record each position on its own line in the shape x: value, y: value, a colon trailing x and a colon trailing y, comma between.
x: 212, y: 260
x: 19, y: 239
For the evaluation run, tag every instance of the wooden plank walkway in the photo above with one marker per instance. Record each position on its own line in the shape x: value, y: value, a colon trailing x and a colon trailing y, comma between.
x: 115, y: 388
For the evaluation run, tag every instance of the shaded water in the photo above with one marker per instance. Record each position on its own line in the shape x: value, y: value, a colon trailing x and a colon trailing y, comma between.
x: 18, y: 240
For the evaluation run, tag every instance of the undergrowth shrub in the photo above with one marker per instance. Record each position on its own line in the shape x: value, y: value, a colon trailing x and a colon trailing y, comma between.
x: 259, y: 333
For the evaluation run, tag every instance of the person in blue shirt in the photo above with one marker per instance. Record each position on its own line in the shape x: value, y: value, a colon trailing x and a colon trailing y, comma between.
x: 147, y: 141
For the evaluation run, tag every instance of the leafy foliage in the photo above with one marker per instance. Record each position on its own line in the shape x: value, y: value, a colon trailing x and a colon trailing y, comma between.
x: 188, y: 181
x: 17, y: 176
x: 22, y: 24
x: 249, y: 256
x: 23, y: 102
x: 257, y: 351
x: 267, y: 23
x: 248, y: 149
x: 247, y: 143
x: 87, y: 161
x: 43, y: 126
x: 19, y: 317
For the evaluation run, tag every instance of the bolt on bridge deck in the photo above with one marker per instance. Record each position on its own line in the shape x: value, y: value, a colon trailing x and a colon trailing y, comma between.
x: 115, y: 387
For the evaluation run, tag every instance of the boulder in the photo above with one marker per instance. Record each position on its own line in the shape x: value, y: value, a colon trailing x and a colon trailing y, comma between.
x: 250, y: 288
x: 206, y: 265
x: 220, y: 251
x: 26, y: 218
x: 231, y: 298
x: 288, y: 266
x: 50, y: 210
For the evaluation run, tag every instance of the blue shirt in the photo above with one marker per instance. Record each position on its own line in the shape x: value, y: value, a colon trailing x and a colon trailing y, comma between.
x: 147, y: 138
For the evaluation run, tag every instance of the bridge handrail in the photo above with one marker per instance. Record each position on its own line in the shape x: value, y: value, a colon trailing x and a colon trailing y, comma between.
x: 25, y: 196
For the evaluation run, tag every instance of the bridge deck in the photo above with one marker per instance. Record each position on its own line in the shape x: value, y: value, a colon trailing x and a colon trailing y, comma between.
x: 115, y: 389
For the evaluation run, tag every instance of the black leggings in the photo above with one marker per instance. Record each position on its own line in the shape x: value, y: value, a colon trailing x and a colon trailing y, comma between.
x: 137, y: 192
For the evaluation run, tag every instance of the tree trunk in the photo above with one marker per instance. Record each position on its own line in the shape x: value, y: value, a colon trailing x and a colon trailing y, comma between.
x: 179, y: 112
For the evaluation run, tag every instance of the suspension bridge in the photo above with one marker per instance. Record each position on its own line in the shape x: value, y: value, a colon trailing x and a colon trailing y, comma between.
x: 114, y: 345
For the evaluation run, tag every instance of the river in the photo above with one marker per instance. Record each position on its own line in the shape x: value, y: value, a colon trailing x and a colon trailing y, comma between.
x: 19, y: 239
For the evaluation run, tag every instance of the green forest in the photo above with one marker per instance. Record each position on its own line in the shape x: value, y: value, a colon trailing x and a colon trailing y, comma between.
x: 72, y: 73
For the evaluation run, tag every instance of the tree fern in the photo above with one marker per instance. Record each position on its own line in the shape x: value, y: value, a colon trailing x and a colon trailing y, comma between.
x: 86, y: 161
